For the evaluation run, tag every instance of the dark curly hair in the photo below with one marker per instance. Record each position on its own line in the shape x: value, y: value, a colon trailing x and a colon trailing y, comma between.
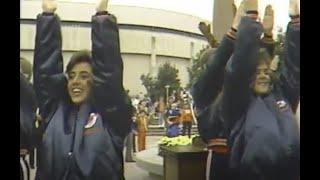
x: 79, y: 57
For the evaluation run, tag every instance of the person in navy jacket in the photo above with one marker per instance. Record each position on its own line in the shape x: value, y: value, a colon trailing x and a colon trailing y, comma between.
x: 211, y: 91
x: 86, y: 112
x: 207, y: 96
x: 263, y: 135
x: 28, y: 107
x: 173, y: 113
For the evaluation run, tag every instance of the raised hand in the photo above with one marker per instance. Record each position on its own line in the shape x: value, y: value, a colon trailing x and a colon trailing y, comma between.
x: 294, y: 8
x: 268, y: 20
x: 49, y: 6
x: 204, y: 28
x: 206, y: 31
x: 234, y: 10
x: 239, y: 14
x: 102, y: 5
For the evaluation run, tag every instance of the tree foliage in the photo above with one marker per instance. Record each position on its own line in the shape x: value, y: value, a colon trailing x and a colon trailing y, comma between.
x: 197, y: 67
x: 167, y: 75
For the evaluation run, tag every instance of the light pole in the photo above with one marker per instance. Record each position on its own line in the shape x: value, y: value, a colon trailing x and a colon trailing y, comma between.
x: 167, y: 93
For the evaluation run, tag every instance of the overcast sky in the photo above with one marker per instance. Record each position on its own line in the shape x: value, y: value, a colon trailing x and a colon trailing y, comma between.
x: 201, y: 8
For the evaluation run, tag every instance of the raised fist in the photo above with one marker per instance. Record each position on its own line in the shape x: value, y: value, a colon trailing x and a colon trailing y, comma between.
x: 49, y: 6
x: 102, y: 5
x: 268, y: 20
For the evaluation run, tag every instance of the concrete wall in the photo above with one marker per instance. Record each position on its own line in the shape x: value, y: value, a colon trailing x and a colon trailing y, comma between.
x: 134, y: 67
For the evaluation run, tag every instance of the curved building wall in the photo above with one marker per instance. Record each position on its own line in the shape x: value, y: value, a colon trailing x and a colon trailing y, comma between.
x: 148, y: 37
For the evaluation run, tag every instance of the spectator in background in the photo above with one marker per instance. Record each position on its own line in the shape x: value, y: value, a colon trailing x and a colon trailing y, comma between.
x: 142, y: 106
x: 186, y: 118
x: 142, y: 122
x: 173, y: 114
x: 161, y: 111
x: 130, y: 140
x: 135, y: 101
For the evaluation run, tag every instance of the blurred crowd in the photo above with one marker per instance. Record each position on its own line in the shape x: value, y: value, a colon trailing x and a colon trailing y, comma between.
x: 175, y: 114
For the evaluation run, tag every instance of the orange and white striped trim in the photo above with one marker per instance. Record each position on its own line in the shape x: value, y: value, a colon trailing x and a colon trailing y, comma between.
x: 218, y: 145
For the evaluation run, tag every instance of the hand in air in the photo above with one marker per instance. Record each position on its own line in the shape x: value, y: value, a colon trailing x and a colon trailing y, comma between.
x: 240, y: 12
x: 204, y: 28
x: 268, y: 20
x: 49, y: 6
x: 102, y: 5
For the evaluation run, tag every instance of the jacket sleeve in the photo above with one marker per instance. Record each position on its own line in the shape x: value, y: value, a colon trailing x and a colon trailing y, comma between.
x: 207, y: 88
x: 27, y: 94
x: 108, y: 91
x: 290, y: 72
x: 240, y: 70
x: 28, y: 107
x: 49, y: 80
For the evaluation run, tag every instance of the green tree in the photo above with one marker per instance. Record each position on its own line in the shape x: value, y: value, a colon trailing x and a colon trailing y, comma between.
x: 149, y: 83
x: 167, y: 75
x: 197, y: 67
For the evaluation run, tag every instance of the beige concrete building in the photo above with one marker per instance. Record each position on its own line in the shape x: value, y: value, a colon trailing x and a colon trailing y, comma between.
x: 148, y: 37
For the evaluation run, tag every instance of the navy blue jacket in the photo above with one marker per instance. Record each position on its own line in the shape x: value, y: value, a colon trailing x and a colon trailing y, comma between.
x: 69, y: 149
x: 206, y: 90
x: 28, y: 107
x: 264, y: 139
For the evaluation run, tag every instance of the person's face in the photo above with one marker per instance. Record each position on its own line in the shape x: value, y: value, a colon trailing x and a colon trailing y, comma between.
x: 80, y: 82
x: 262, y: 81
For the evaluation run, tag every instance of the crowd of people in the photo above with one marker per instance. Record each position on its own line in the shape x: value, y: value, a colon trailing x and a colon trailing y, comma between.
x: 78, y: 118
x: 172, y: 115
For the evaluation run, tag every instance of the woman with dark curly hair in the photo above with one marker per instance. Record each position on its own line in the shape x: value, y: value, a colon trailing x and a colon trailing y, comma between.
x: 86, y: 113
